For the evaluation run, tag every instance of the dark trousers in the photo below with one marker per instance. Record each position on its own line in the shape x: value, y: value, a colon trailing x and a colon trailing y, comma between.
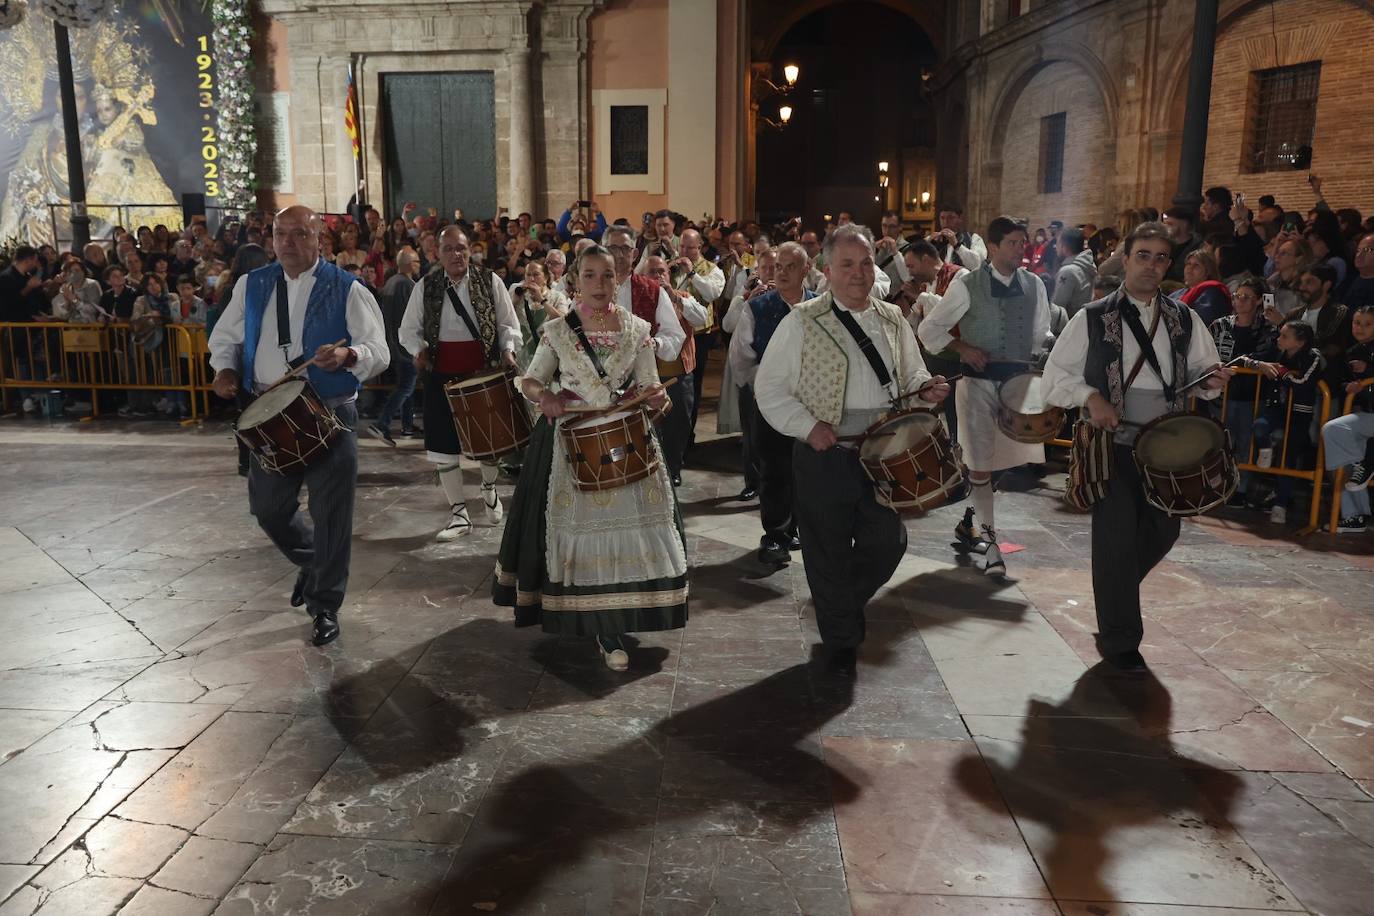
x: 748, y: 416
x: 705, y: 344
x: 674, y: 431
x: 1130, y: 537
x: 851, y: 544
x: 402, y: 397
x: 323, y: 546
x: 775, y: 493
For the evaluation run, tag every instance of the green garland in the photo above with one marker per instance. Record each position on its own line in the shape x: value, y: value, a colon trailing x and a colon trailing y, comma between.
x: 238, y: 141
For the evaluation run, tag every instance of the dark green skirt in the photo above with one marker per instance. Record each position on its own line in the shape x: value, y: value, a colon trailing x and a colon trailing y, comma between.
x: 522, y: 580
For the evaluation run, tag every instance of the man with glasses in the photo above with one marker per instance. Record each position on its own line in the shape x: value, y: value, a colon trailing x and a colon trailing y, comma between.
x: 1003, y: 316
x: 1361, y: 290
x: 1100, y: 364
x: 262, y: 333
x: 459, y: 321
x: 647, y: 298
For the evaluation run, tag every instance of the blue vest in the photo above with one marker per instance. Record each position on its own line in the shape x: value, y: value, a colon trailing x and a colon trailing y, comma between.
x: 326, y: 320
x: 769, y: 310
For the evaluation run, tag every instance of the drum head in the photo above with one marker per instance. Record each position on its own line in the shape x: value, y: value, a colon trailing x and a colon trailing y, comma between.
x: 271, y: 402
x: 610, y: 419
x: 1179, y: 443
x: 1023, y: 393
x: 899, y: 434
x: 477, y: 381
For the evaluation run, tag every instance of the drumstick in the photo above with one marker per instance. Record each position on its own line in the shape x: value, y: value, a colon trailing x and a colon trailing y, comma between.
x: 861, y: 436
x: 928, y: 385
x: 623, y: 405
x: 1206, y: 375
x: 292, y: 373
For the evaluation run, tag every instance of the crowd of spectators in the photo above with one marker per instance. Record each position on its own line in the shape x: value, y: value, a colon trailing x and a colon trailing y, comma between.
x: 1291, y: 291
x: 1284, y: 288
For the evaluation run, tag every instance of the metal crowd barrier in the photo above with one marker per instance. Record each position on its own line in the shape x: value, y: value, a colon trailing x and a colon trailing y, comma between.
x: 1318, y: 471
x: 41, y: 356
x: 1338, y: 476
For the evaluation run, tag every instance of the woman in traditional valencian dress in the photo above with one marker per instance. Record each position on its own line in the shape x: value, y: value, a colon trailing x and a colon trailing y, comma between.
x: 580, y: 563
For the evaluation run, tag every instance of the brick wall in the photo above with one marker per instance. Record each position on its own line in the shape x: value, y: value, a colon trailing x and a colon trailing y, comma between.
x: 1339, y: 36
x: 1061, y: 86
x: 1139, y: 51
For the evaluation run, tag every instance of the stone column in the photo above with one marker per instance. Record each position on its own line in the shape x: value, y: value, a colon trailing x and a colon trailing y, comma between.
x: 1194, y: 153
x: 520, y: 197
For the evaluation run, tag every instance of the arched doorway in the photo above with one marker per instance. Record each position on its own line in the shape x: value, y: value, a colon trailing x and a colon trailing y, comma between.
x: 860, y: 101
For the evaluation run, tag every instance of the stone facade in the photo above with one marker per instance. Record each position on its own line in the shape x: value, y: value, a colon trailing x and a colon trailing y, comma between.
x: 536, y: 51
x: 1118, y: 69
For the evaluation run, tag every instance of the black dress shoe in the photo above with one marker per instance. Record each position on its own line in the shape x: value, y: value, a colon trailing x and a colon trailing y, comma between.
x: 794, y: 542
x: 1131, y: 662
x: 298, y: 590
x: 844, y: 662
x: 771, y: 553
x: 677, y: 480
x: 747, y: 494
x: 326, y: 628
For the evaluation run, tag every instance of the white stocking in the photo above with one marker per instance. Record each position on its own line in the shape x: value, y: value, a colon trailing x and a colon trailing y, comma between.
x: 451, y: 479
x: 981, y: 495
x: 490, y: 471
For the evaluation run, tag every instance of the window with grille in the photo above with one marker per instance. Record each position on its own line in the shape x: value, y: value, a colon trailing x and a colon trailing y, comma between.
x: 1052, y: 153
x: 629, y: 139
x: 1283, y: 117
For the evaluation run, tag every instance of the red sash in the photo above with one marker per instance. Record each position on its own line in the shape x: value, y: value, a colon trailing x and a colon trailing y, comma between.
x: 459, y: 357
x: 644, y: 304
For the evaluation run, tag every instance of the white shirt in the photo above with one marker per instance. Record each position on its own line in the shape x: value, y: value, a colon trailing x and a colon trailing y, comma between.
x: 939, y: 321
x: 896, y: 271
x: 972, y: 255
x: 775, y: 384
x: 744, y: 363
x: 706, y: 288
x: 452, y: 328
x: 1063, y: 381
x: 361, y: 314
x: 670, y: 337
x: 925, y: 303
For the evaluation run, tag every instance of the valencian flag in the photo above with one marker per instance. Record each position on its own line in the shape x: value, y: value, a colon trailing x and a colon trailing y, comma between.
x: 351, y: 115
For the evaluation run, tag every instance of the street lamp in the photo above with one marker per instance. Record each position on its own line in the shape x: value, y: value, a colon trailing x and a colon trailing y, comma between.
x: 790, y: 72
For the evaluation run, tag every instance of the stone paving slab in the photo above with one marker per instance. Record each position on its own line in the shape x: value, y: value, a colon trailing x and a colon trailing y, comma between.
x: 171, y: 745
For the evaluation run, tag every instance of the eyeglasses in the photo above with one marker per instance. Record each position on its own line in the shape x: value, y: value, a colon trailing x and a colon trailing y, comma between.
x: 1144, y: 257
x: 1365, y: 250
x: 620, y: 249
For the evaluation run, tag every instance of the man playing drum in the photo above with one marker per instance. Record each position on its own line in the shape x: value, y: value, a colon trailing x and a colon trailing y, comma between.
x: 459, y: 321
x: 648, y: 299
x: 833, y: 367
x: 254, y: 343
x: 1099, y: 350
x: 1003, y: 317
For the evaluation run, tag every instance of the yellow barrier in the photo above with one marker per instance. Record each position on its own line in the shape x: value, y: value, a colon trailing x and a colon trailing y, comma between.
x: 1338, y: 476
x: 1277, y: 470
x: 98, y: 357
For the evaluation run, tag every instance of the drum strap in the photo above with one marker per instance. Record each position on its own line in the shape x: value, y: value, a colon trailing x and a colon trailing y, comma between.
x: 463, y: 314
x: 284, y: 324
x: 870, y: 352
x: 1147, y: 346
x: 575, y: 322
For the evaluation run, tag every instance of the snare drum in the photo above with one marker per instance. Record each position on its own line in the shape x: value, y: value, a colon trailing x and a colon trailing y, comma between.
x: 490, y: 417
x: 1185, y: 464
x: 609, y: 451
x: 1022, y: 414
x: 909, y: 457
x: 288, y: 427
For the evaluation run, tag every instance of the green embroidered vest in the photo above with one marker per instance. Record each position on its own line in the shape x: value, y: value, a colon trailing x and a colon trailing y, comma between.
x: 824, y: 377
